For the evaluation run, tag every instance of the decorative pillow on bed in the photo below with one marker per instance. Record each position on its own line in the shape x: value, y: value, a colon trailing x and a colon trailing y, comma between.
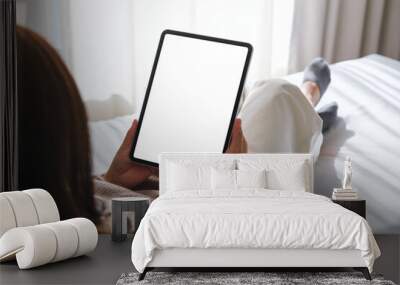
x: 237, y: 179
x: 189, y: 175
x: 293, y: 179
x: 251, y: 178
x: 223, y: 179
x: 281, y: 174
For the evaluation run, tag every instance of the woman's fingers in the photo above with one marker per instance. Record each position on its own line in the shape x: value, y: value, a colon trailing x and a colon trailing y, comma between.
x: 243, y: 143
x: 238, y: 127
x: 235, y: 145
x: 153, y: 170
x: 241, y: 138
x: 236, y: 131
x: 127, y: 142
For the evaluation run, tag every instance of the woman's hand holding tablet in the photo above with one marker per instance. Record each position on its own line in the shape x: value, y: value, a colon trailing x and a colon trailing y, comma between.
x: 129, y: 174
x: 192, y: 96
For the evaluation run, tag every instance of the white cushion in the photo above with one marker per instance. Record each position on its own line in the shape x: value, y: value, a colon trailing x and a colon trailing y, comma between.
x: 223, y: 179
x: 40, y: 244
x: 238, y: 179
x: 251, y: 178
x: 282, y: 174
x: 189, y: 177
x: 284, y: 165
x: 192, y: 175
x: 292, y: 178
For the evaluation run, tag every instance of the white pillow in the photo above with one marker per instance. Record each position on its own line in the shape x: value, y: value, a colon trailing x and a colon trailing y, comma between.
x: 251, y: 178
x: 188, y: 177
x: 223, y: 179
x: 238, y: 179
x: 281, y: 174
x: 192, y: 175
x: 105, y: 139
x: 293, y: 178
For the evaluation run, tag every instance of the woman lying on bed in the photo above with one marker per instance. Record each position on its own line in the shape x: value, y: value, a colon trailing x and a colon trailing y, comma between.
x: 277, y: 117
x: 54, y: 149
x: 54, y: 144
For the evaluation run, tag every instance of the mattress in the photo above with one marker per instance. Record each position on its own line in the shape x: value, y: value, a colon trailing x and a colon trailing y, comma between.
x: 250, y: 218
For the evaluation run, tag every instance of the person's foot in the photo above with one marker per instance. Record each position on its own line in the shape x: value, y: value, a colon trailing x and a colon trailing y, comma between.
x: 311, y: 92
x: 316, y: 73
x: 328, y: 114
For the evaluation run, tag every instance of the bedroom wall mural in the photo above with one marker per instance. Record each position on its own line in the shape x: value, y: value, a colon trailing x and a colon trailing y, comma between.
x: 366, y: 89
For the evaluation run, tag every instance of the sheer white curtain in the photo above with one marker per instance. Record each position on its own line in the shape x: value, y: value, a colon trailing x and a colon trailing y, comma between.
x: 110, y: 45
x: 94, y: 39
x: 340, y: 29
x: 266, y: 24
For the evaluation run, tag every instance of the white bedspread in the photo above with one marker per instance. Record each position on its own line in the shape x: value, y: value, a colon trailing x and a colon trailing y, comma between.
x: 250, y: 219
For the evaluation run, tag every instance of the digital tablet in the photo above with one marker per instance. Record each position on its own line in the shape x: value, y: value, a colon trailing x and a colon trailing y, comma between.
x: 192, y: 96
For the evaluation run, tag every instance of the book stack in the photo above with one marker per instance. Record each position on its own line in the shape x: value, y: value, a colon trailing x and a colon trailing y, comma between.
x: 344, y: 194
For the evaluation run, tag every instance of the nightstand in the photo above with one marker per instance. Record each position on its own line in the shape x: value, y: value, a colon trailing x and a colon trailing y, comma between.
x: 357, y: 206
x: 123, y: 207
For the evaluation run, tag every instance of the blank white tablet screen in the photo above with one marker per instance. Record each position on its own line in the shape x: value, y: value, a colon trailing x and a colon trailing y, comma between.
x: 192, y: 97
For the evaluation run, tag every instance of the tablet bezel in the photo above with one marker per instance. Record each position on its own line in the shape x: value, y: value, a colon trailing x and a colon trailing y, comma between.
x: 153, y: 71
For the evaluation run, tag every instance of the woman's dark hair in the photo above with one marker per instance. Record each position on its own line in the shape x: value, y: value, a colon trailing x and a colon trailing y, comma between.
x: 53, y: 138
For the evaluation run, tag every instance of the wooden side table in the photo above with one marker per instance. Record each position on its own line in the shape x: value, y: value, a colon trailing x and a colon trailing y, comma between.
x: 357, y: 206
x: 121, y: 208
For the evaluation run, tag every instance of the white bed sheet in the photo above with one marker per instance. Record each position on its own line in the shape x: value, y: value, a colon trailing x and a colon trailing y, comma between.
x: 250, y: 219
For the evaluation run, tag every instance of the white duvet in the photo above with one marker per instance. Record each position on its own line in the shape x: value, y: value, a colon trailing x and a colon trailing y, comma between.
x: 250, y: 219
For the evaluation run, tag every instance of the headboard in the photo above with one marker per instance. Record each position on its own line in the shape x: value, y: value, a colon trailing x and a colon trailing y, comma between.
x: 210, y: 158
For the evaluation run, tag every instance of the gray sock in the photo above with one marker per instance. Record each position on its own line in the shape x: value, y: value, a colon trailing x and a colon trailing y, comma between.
x: 318, y: 71
x: 328, y: 114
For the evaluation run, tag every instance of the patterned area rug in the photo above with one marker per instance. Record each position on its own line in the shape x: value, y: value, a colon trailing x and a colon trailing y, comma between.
x: 231, y: 278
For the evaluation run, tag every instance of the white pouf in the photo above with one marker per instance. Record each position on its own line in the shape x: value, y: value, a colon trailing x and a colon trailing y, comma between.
x: 26, y: 208
x: 31, y: 231
x: 37, y: 245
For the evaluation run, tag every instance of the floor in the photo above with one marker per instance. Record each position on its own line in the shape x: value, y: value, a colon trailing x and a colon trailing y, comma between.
x: 389, y: 262
x: 110, y: 260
